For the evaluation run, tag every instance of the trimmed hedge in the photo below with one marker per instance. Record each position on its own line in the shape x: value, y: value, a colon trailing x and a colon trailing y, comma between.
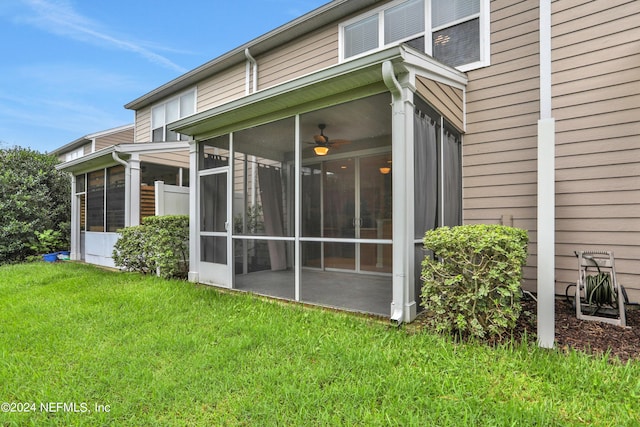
x: 160, y: 246
x: 472, y: 288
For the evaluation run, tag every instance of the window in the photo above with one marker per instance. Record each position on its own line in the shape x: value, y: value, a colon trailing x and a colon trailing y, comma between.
x: 115, y: 198
x: 105, y: 209
x: 95, y: 201
x: 72, y: 155
x: 170, y: 111
x: 456, y: 31
x: 452, y: 31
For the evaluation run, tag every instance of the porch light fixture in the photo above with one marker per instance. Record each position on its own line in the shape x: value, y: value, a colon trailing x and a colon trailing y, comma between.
x: 320, y: 150
x: 385, y: 170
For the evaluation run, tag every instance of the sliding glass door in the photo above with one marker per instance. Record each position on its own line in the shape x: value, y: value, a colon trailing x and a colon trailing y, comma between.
x: 346, y: 211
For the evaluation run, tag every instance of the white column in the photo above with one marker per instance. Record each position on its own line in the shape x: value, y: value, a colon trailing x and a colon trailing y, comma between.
x: 134, y: 190
x: 400, y: 311
x: 75, y: 223
x: 194, y: 186
x: 546, y: 189
x: 297, y: 211
x: 158, y: 192
x: 410, y: 306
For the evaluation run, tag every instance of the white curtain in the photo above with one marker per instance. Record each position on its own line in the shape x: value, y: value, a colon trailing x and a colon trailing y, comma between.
x: 270, y: 181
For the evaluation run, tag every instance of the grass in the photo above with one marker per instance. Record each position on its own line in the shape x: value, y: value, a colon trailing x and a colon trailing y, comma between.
x: 157, y: 352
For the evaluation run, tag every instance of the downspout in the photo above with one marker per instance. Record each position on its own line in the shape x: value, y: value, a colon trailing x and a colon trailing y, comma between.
x: 399, y: 193
x: 546, y: 189
x: 127, y: 189
x: 253, y: 63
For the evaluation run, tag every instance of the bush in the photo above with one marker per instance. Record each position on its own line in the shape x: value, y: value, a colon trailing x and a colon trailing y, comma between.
x: 473, y: 290
x: 34, y: 197
x: 160, y: 245
x: 48, y: 241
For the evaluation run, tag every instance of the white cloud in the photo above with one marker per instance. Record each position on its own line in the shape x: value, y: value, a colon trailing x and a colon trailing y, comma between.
x: 59, y: 17
x: 74, y: 78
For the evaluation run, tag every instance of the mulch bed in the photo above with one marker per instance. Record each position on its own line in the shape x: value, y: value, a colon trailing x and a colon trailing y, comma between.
x: 591, y: 337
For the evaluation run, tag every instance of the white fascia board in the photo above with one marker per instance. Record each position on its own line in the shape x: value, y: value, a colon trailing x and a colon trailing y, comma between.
x: 91, y: 160
x: 152, y: 147
x: 89, y: 139
x: 104, y: 157
x: 420, y: 64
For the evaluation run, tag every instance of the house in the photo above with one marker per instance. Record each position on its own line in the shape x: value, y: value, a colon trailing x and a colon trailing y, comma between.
x: 115, y: 183
x: 322, y: 151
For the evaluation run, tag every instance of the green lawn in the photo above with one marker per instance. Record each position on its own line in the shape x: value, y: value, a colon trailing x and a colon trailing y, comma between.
x: 132, y: 350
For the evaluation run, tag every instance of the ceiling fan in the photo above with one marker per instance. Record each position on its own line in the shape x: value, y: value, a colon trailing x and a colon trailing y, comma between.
x: 322, y: 143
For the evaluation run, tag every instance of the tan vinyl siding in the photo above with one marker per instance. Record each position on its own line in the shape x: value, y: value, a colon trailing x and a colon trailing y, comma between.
x: 122, y: 137
x: 143, y: 125
x: 446, y: 99
x: 499, y: 149
x: 178, y: 159
x: 596, y: 104
x: 314, y: 52
x: 223, y: 87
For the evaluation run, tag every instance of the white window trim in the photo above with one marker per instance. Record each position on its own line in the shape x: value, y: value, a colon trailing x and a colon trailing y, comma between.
x: 164, y: 112
x: 485, y: 33
x: 74, y: 154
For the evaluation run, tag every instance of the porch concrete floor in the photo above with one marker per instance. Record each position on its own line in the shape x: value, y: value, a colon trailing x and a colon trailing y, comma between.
x: 348, y: 291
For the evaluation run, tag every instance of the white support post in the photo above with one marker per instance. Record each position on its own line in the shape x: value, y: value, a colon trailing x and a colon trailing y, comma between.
x: 410, y: 306
x: 400, y: 238
x: 297, y: 211
x: 546, y: 233
x: 134, y: 190
x: 194, y: 187
x: 158, y: 192
x: 75, y: 222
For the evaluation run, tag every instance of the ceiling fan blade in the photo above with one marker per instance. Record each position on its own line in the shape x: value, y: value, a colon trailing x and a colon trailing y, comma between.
x: 320, y: 139
x: 339, y: 141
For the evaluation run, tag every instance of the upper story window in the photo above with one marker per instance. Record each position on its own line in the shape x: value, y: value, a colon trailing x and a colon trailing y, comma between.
x: 455, y: 32
x: 75, y: 154
x: 170, y: 111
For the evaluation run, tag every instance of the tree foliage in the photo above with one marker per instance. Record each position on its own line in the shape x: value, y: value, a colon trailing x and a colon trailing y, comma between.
x: 34, y: 197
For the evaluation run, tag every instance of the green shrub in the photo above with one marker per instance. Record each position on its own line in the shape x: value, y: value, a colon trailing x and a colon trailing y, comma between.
x: 160, y: 245
x: 48, y: 241
x: 129, y: 251
x: 472, y: 289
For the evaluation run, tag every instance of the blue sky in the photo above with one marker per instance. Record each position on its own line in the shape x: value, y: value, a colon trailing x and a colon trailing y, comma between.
x: 69, y: 66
